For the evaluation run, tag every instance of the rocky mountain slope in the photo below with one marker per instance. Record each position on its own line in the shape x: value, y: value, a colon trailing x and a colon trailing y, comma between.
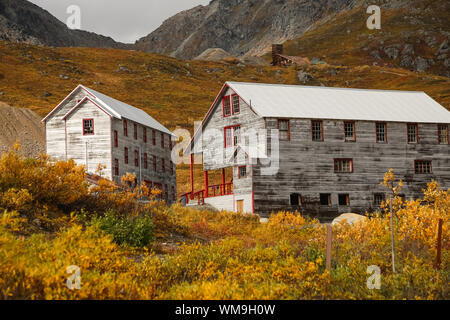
x: 23, y: 21
x: 240, y: 27
x: 22, y: 126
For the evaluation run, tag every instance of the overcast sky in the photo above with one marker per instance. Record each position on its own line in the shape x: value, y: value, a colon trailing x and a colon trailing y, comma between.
x: 123, y: 20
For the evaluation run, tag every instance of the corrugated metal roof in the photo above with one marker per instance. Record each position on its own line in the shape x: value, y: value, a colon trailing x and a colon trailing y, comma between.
x: 297, y: 101
x: 121, y: 110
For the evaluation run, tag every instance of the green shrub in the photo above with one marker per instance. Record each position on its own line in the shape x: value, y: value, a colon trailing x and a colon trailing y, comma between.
x: 136, y: 231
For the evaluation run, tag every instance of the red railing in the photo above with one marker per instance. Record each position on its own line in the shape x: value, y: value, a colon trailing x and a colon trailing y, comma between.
x: 213, y: 191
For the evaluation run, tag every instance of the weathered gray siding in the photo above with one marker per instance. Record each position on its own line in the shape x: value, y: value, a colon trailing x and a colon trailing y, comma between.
x: 307, y: 167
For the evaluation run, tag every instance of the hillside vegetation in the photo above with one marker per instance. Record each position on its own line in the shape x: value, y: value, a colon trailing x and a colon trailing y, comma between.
x: 50, y: 219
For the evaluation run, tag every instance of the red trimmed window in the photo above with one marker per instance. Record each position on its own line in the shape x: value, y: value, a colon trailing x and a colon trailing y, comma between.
x: 242, y: 172
x: 349, y: 131
x: 135, y: 131
x: 163, y: 165
x: 232, y: 136
x: 343, y: 165
x: 116, y: 167
x: 154, y: 137
x: 381, y: 132
x: 317, y: 130
x: 236, y: 104
x: 162, y: 140
x: 443, y: 135
x: 412, y: 132
x: 423, y: 166
x: 284, y: 129
x: 125, y: 128
x: 88, y: 127
x: 144, y: 134
x: 116, y: 139
x: 145, y: 161
x: 226, y: 106
x: 136, y: 158
x: 154, y: 164
x: 126, y: 155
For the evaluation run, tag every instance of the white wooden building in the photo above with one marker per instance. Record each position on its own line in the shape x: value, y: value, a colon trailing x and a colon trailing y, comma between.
x: 332, y: 147
x: 94, y: 129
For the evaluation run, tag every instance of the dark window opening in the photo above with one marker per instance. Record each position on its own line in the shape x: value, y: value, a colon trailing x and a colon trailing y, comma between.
x: 145, y: 161
x: 135, y: 132
x: 242, y: 172
x: 236, y: 106
x: 343, y: 165
x: 443, y: 134
x: 116, y: 167
x: 144, y: 134
x: 350, y: 132
x: 381, y: 131
x: 136, y: 158
x: 126, y: 155
x: 325, y: 199
x: 422, y: 166
x: 116, y: 139
x: 226, y: 106
x: 412, y: 133
x: 378, y: 199
x: 125, y: 128
x: 154, y: 137
x: 284, y: 129
x: 344, y: 200
x: 317, y: 130
x: 296, y: 199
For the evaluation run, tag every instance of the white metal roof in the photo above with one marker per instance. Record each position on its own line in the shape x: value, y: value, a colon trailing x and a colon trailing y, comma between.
x: 297, y: 101
x: 121, y: 110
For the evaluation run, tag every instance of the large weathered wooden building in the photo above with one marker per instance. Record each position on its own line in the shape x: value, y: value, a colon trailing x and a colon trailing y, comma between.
x: 94, y: 129
x: 325, y: 150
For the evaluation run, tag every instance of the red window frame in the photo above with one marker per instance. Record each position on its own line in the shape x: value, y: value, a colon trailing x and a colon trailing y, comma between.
x: 440, y: 126
x: 144, y: 134
x: 145, y: 161
x: 385, y: 132
x: 154, y: 137
x: 408, y: 125
x: 239, y: 172
x: 154, y: 164
x: 136, y: 158
x: 289, y: 128
x: 84, y: 127
x: 353, y: 123
x: 116, y: 139
x: 125, y: 128
x: 343, y: 159
x: 163, y: 165
x: 321, y: 130
x: 229, y: 105
x: 233, y: 140
x: 116, y: 167
x: 162, y: 140
x: 423, y: 162
x: 135, y: 131
x: 238, y: 104
x: 126, y: 155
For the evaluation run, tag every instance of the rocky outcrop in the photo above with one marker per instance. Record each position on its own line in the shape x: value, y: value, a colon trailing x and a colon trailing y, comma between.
x: 240, y: 27
x: 22, y: 21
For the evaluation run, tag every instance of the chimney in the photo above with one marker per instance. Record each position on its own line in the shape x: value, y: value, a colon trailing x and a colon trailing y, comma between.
x: 276, y: 50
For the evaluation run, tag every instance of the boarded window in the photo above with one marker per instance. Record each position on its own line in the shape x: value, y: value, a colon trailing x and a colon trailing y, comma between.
x: 381, y: 131
x: 125, y: 151
x: 443, y: 134
x: 236, y: 106
x: 88, y: 126
x: 296, y: 199
x: 344, y: 199
x: 317, y: 130
x: 412, y: 133
x: 325, y: 199
x: 136, y: 158
x: 145, y: 161
x: 378, y: 198
x: 242, y: 172
x: 422, y: 166
x: 116, y: 139
x: 343, y: 165
x: 349, y: 130
x: 226, y: 106
x: 284, y: 129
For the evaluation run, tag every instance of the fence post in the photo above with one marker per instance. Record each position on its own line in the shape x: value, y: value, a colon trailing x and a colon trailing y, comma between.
x: 329, y: 240
x: 439, y: 245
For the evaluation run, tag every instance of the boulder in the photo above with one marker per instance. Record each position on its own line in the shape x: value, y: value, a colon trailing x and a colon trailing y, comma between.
x: 350, y: 218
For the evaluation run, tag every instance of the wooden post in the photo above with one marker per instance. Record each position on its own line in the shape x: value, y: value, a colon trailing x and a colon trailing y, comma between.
x: 192, y: 176
x: 206, y: 184
x: 439, y: 245
x: 329, y: 240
